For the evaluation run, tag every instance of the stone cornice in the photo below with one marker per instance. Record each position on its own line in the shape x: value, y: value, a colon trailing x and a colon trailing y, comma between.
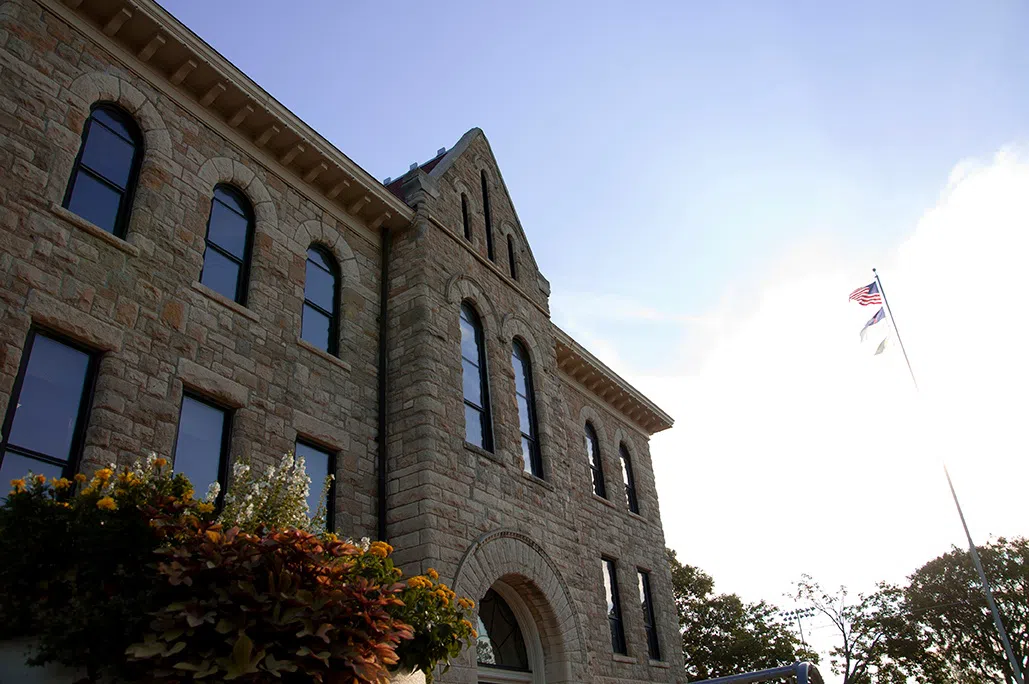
x: 194, y: 68
x: 587, y: 370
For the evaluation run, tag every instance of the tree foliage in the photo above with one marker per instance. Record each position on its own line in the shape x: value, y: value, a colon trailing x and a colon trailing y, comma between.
x: 723, y: 635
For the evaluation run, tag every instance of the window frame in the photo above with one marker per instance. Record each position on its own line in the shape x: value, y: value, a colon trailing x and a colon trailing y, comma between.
x: 243, y: 283
x: 71, y: 466
x: 128, y: 193
x: 649, y: 619
x: 488, y: 215
x: 596, y: 463
x: 511, y: 261
x: 224, y: 453
x: 616, y: 622
x: 525, y: 359
x: 330, y: 496
x: 629, y: 478
x: 466, y: 217
x: 333, y: 315
x: 485, y: 411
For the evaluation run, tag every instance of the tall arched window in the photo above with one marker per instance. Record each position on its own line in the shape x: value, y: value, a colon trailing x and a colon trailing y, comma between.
x: 466, y: 218
x: 593, y: 456
x: 629, y: 479
x: 104, y: 176
x: 230, y: 233
x: 500, y: 642
x: 321, y: 301
x: 512, y: 264
x: 531, y: 457
x: 478, y: 428
x: 487, y: 213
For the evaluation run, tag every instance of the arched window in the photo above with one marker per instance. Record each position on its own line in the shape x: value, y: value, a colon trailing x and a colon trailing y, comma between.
x: 321, y: 301
x: 531, y: 457
x: 466, y: 218
x: 629, y: 479
x: 230, y: 233
x: 477, y: 423
x: 105, y: 172
x: 593, y: 456
x: 511, y: 257
x: 489, y: 217
x: 500, y: 643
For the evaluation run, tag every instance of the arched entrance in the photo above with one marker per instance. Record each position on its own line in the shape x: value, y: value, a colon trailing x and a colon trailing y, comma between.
x: 508, y: 648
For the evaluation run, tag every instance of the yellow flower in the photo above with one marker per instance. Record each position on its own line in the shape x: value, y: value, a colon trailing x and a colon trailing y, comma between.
x: 65, y: 504
x: 126, y: 477
x: 160, y: 463
x: 40, y: 479
x: 419, y: 582
x: 18, y: 486
x: 467, y: 625
x: 106, y: 504
x: 398, y: 572
x: 80, y: 478
x: 433, y: 575
x: 104, y: 474
x: 205, y: 507
x: 60, y: 484
x: 330, y: 537
x: 380, y: 549
x: 187, y: 495
x: 466, y: 603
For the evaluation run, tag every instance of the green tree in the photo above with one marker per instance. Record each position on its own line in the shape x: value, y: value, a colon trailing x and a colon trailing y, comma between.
x: 723, y: 635
x: 945, y: 601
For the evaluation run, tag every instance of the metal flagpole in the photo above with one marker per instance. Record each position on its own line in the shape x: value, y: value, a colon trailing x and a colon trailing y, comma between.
x: 896, y: 330
x: 986, y: 588
x: 971, y: 545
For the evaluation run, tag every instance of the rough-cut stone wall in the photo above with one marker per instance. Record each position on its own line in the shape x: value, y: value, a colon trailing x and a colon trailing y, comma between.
x: 138, y: 300
x: 477, y: 516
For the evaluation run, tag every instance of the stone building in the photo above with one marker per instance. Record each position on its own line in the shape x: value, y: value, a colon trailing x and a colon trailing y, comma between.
x: 187, y: 267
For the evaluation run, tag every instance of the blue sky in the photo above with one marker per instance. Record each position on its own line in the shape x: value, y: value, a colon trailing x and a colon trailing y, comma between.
x: 703, y: 183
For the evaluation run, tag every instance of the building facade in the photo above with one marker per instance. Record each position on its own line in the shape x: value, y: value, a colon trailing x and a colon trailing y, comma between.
x: 188, y: 268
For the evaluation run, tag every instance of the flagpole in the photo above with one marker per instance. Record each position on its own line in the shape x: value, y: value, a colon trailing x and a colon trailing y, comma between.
x: 896, y: 330
x: 986, y: 587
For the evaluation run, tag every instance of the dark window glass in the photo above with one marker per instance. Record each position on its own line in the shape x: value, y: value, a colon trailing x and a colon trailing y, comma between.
x: 593, y: 456
x: 511, y: 257
x: 318, y: 463
x: 230, y: 233
x: 629, y: 479
x: 488, y: 216
x: 46, y: 415
x: 476, y: 389
x: 500, y: 643
x: 533, y: 460
x: 321, y: 297
x: 614, y: 607
x: 653, y: 647
x: 202, y: 445
x: 466, y: 218
x: 105, y: 171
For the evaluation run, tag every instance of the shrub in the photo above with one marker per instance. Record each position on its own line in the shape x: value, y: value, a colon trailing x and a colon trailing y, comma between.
x: 275, y: 499
x: 440, y: 623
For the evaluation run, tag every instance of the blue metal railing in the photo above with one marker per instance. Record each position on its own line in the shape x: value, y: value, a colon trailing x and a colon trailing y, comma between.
x: 804, y: 673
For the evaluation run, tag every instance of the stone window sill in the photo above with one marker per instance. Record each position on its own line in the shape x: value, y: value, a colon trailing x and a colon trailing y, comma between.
x: 604, y: 501
x: 335, y: 360
x: 537, y: 481
x: 637, y: 516
x: 468, y: 446
x: 658, y: 663
x: 619, y: 658
x: 224, y: 301
x: 93, y: 229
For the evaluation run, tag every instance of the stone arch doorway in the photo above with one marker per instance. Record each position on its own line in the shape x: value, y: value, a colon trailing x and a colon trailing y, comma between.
x: 516, y: 577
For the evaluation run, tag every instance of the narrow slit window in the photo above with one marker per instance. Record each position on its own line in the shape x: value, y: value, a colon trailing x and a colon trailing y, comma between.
x: 614, y: 607
x: 649, y: 624
x: 511, y: 262
x: 487, y: 214
x: 466, y: 218
x: 202, y: 445
x: 478, y: 424
x: 629, y: 479
x: 526, y: 399
x: 320, y: 323
x: 593, y: 456
x: 230, y: 233
x: 46, y: 417
x: 106, y: 170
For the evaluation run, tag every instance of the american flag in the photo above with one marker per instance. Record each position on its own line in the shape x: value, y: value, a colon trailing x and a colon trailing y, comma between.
x: 869, y: 294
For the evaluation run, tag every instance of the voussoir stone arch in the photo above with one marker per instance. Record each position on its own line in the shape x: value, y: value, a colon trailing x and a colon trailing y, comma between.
x: 519, y: 561
x: 231, y: 172
x: 315, y: 232
x: 102, y: 86
x: 461, y: 287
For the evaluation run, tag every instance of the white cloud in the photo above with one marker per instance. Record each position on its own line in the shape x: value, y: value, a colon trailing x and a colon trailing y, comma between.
x: 796, y: 450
